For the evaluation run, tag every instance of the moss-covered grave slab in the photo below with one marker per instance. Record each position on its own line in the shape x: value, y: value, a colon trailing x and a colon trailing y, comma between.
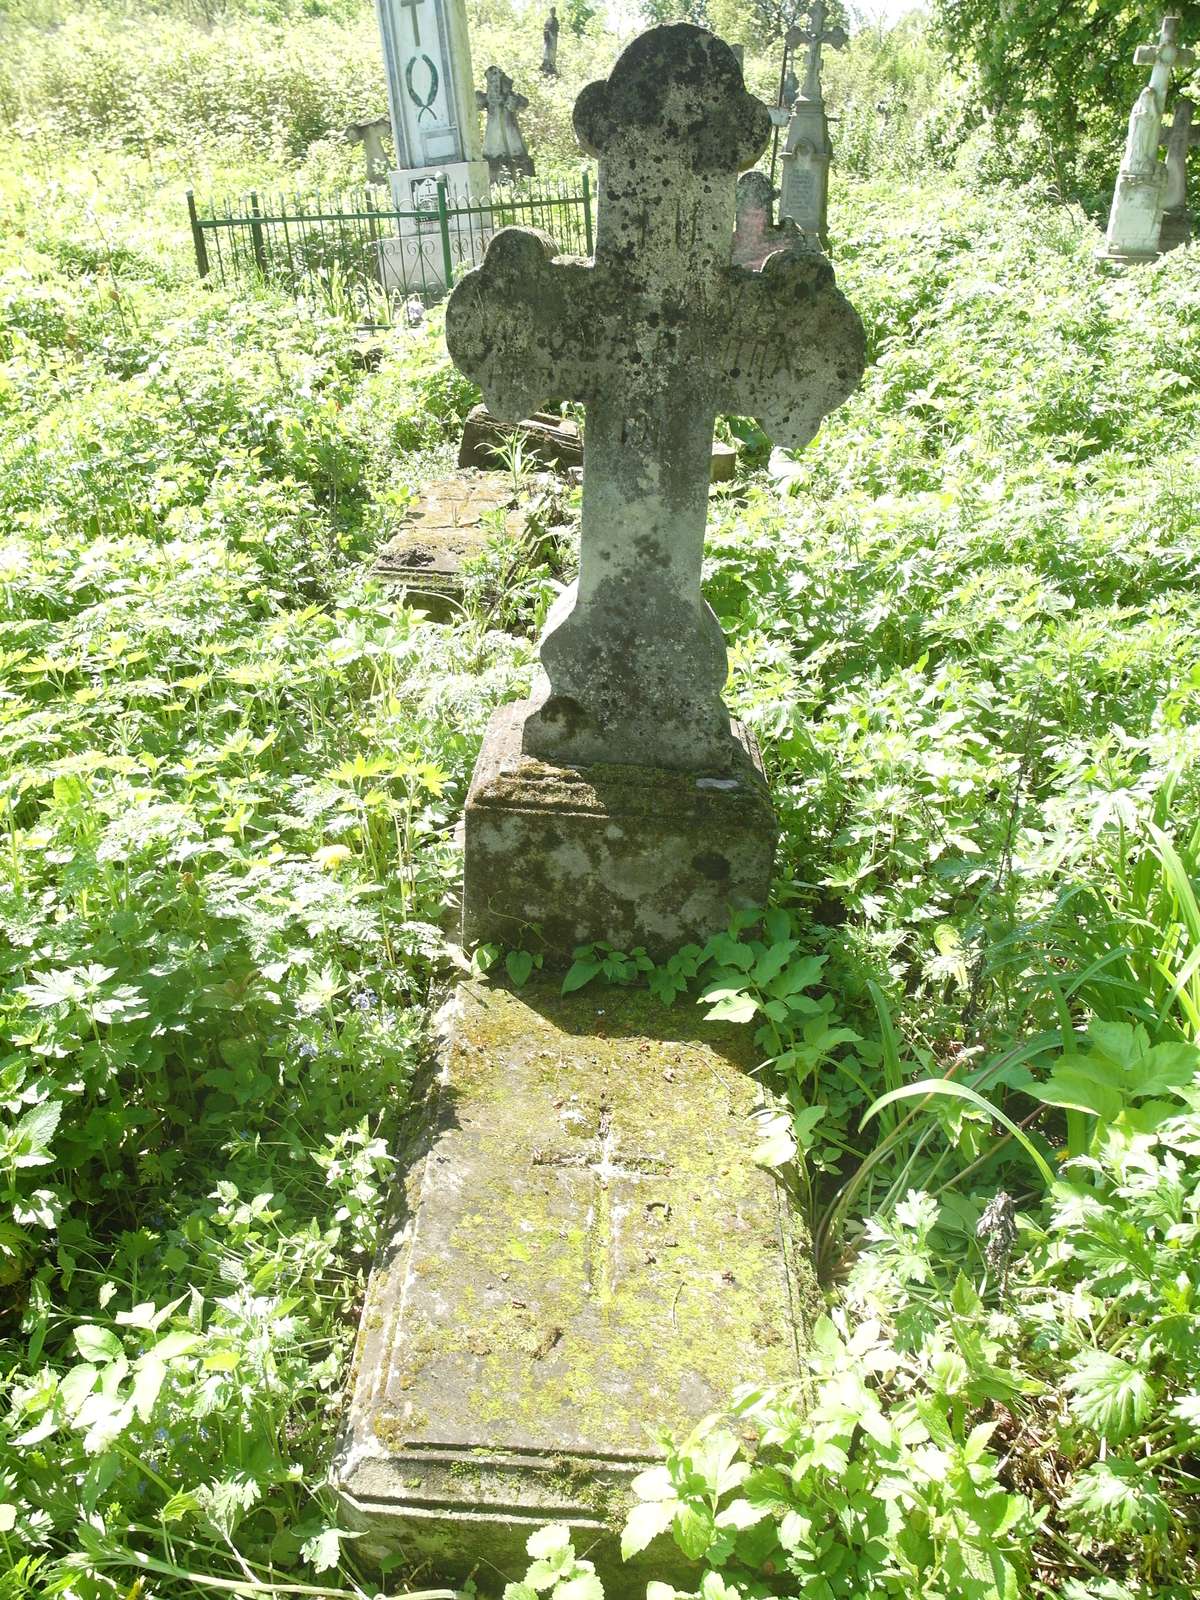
x: 443, y: 532
x: 587, y: 1253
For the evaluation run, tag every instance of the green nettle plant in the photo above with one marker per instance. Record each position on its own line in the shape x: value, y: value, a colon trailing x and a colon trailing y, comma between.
x: 962, y: 628
x: 844, y: 1494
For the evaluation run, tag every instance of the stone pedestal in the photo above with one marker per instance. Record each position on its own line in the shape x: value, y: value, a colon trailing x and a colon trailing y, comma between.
x: 413, y: 260
x: 561, y: 856
x: 1134, y: 223
x: 804, y: 181
x: 586, y: 1251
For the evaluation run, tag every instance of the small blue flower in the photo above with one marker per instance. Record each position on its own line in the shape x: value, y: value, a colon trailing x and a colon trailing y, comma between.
x: 161, y: 1435
x: 365, y: 1000
x: 307, y: 1050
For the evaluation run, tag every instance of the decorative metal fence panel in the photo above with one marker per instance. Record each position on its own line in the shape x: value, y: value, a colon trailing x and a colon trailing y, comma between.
x: 369, y: 260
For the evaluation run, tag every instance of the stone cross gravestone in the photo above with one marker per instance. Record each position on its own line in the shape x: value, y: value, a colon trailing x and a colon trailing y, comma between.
x: 503, y: 142
x: 586, y: 1251
x: 807, y: 151
x: 757, y: 235
x: 1135, y: 220
x: 435, y: 125
x: 656, y: 336
x: 371, y: 136
x: 1177, y: 218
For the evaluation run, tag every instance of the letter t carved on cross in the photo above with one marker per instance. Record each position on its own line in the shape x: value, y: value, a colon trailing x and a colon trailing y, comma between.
x: 656, y: 336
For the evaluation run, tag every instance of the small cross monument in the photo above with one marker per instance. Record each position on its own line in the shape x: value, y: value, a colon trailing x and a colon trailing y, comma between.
x: 1135, y: 221
x: 654, y: 810
x: 807, y: 151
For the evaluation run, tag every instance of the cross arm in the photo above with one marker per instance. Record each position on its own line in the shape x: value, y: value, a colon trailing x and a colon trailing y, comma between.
x: 794, y: 347
x: 518, y: 324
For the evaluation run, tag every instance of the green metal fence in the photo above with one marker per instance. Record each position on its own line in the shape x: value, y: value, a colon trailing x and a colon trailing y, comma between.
x: 368, y: 259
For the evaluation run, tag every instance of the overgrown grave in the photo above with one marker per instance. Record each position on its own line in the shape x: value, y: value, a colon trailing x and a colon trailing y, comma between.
x: 446, y: 534
x: 586, y: 1250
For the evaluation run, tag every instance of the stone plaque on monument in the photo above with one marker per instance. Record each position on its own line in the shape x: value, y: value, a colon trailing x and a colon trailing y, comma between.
x: 807, y: 151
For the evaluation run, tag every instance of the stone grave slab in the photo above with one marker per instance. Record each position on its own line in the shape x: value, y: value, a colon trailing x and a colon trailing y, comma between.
x: 554, y: 441
x: 586, y: 1251
x: 451, y: 524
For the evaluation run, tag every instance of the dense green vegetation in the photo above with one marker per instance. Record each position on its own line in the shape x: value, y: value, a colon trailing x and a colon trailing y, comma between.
x: 1051, y: 72
x: 962, y: 625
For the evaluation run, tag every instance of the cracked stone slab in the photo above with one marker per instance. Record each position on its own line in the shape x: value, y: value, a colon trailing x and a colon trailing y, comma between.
x: 443, y: 532
x: 586, y: 1252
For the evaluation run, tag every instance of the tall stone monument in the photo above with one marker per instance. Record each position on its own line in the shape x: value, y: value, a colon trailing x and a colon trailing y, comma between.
x: 585, y: 1251
x: 807, y: 151
x: 1135, y: 220
x: 435, y: 124
x: 638, y: 811
x: 550, y: 45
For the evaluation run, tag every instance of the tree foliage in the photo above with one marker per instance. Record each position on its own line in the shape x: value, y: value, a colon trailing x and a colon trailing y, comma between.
x: 1066, y: 64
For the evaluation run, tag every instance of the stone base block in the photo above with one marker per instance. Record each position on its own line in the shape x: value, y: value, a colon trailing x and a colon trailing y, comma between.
x: 562, y: 856
x: 1177, y: 229
x: 553, y: 441
x: 585, y: 1252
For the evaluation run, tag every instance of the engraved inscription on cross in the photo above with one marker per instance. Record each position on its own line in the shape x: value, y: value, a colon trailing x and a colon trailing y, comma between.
x: 1165, y: 57
x: 612, y: 1170
x: 815, y: 34
x: 656, y: 336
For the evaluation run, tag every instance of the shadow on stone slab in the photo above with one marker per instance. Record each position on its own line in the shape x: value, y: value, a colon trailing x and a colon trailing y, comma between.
x: 589, y: 1255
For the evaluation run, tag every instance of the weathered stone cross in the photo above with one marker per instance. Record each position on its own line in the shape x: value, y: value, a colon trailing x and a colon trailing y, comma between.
x: 1165, y: 57
x: 656, y: 336
x: 815, y: 34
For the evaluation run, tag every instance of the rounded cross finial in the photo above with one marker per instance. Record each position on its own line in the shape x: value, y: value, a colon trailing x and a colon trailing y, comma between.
x: 678, y: 85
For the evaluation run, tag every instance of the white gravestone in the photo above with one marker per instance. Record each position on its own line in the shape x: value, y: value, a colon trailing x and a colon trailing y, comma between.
x: 435, y: 123
x: 1135, y: 221
x: 807, y: 152
x: 503, y: 142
